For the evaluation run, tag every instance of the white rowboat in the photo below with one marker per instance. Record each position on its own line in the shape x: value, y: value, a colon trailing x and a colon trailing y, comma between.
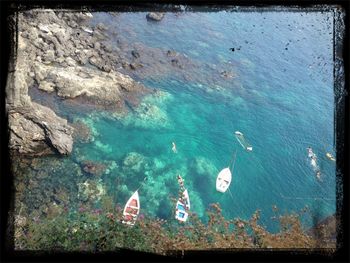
x: 131, y: 210
x: 223, y: 180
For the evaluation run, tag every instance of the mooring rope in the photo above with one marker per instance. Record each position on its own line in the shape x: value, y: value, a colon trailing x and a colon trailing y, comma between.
x: 142, y: 183
x: 233, y: 159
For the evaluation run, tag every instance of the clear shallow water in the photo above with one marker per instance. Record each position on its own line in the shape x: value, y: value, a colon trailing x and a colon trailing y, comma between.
x: 283, y: 103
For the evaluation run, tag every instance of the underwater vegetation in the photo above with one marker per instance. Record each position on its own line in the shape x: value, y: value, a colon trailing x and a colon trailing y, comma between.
x: 102, y: 230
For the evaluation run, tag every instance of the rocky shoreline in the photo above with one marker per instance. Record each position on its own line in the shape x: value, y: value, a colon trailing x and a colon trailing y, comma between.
x: 59, y: 53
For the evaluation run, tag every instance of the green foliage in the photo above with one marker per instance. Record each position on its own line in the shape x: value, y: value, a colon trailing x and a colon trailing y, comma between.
x: 103, y: 231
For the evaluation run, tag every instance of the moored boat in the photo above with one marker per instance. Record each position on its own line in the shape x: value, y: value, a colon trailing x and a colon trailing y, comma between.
x: 223, y: 180
x: 182, y: 206
x: 131, y: 209
x: 242, y: 141
x: 330, y: 157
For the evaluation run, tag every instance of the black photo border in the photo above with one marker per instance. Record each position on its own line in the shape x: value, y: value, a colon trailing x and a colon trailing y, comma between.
x: 341, y: 121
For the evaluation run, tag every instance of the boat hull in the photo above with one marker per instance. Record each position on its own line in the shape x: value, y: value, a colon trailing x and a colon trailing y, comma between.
x: 182, y: 206
x: 223, y: 180
x: 131, y: 210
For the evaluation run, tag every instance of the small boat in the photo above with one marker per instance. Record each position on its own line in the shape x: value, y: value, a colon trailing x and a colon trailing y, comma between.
x: 223, y: 180
x: 330, y: 157
x: 182, y: 206
x: 242, y: 141
x: 131, y: 210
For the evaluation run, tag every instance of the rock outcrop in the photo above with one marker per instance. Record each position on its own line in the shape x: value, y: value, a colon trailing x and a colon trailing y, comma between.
x: 34, y: 129
x: 59, y: 53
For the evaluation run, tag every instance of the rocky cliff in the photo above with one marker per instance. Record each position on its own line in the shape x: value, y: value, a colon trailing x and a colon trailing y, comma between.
x: 58, y: 52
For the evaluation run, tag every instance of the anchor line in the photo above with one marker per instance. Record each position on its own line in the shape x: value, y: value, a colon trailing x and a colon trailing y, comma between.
x: 230, y: 194
x: 142, y: 183
x: 233, y: 160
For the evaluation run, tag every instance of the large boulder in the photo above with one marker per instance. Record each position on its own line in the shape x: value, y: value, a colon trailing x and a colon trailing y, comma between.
x: 97, y: 87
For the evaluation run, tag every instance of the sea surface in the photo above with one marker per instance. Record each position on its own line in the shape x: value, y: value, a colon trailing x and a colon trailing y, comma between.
x: 281, y: 98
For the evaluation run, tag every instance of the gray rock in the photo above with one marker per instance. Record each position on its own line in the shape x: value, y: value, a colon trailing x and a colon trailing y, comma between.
x: 72, y: 24
x: 154, y: 16
x: 70, y: 61
x: 46, y: 86
x: 44, y: 28
x: 27, y: 133
x: 33, y: 34
x: 48, y: 37
x: 59, y: 53
x: 49, y: 56
x: 82, y: 59
x: 101, y: 27
x: 97, y: 45
x: 107, y: 48
x: 62, y: 36
x: 59, y: 136
x: 40, y: 74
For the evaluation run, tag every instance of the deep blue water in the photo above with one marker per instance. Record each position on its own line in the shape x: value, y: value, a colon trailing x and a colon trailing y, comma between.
x: 281, y: 99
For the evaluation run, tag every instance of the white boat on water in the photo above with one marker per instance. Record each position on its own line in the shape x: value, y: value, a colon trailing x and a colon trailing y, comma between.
x: 131, y: 210
x: 182, y: 206
x: 330, y: 157
x: 242, y: 141
x: 223, y: 180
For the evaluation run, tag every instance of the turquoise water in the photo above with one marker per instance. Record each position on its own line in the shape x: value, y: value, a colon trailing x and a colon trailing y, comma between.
x: 281, y: 99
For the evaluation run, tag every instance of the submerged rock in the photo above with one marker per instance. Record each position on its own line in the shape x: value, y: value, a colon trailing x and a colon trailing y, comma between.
x: 82, y: 132
x: 93, y: 167
x: 151, y: 113
x: 134, y: 161
x: 90, y: 190
x: 203, y: 166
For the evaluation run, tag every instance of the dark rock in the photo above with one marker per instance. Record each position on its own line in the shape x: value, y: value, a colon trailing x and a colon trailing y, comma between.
x: 135, y: 54
x: 171, y: 53
x: 227, y: 74
x: 135, y: 66
x: 176, y: 62
x: 94, y: 168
